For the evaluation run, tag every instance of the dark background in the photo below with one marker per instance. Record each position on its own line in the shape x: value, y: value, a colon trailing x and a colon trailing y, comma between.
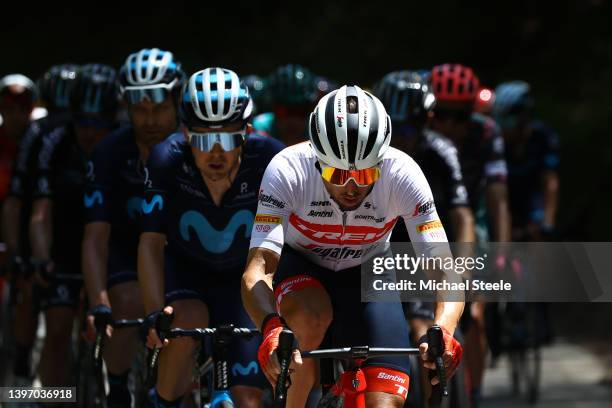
x: 563, y: 49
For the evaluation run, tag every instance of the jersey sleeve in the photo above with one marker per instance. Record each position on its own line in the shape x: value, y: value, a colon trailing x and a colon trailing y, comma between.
x: 495, y: 169
x: 158, y: 188
x: 99, y: 185
x: 22, y: 172
x: 414, y: 199
x: 43, y: 182
x: 452, y: 175
x: 277, y: 192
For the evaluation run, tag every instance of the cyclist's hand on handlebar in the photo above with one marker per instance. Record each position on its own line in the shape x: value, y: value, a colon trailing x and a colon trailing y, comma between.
x: 453, y: 351
x: 100, y: 316
x: 152, y: 339
x: 267, y: 356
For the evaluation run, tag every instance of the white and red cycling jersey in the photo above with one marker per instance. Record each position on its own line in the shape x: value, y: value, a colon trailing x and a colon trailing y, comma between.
x: 295, y: 209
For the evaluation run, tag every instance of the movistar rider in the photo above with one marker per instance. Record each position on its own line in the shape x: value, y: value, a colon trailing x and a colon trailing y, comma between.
x: 200, y: 201
x: 150, y: 83
x: 294, y: 93
x: 56, y: 226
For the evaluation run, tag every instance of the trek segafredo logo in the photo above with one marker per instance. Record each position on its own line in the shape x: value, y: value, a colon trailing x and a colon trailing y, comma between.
x: 268, y: 200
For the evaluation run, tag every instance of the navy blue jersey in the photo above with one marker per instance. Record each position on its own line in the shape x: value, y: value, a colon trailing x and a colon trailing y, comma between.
x: 527, y: 162
x: 24, y: 172
x: 177, y: 203
x: 60, y: 176
x: 115, y: 187
x: 437, y: 156
x: 482, y: 157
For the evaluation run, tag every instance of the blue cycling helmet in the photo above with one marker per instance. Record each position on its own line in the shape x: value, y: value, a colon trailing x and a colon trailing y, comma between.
x: 150, y: 74
x: 95, y: 91
x: 56, y: 85
x: 215, y: 97
x: 406, y: 96
x: 511, y: 98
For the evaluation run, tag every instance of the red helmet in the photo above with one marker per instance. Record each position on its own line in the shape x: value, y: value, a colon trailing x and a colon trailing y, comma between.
x: 454, y: 82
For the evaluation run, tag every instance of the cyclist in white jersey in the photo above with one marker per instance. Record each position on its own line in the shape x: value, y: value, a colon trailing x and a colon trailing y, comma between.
x: 329, y: 205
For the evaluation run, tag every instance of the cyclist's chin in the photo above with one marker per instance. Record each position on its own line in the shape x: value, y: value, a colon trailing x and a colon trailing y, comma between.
x: 347, y: 204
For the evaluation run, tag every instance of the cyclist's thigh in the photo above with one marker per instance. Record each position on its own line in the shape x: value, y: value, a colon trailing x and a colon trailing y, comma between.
x: 302, y: 297
x: 376, y: 324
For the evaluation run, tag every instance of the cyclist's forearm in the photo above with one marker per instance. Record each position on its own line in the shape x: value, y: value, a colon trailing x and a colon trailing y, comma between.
x: 151, y: 273
x: 256, y: 288
x: 11, y: 216
x: 41, y: 230
x: 463, y: 224
x: 448, y: 314
x: 497, y: 206
x: 95, y: 257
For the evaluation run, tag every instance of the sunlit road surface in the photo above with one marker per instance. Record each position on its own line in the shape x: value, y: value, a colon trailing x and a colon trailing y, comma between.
x: 572, y: 376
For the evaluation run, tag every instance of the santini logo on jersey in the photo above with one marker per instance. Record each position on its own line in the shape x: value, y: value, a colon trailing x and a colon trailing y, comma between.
x: 314, y: 213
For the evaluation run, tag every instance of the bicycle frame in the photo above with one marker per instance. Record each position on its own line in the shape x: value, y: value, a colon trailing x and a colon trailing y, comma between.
x: 222, y: 335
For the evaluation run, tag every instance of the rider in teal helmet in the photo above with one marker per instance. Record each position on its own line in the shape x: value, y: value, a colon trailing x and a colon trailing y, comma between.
x: 294, y: 93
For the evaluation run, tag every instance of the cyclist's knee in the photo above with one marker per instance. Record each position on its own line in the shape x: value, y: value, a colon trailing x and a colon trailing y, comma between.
x: 248, y: 397
x: 125, y: 300
x: 190, y: 313
x: 307, y: 310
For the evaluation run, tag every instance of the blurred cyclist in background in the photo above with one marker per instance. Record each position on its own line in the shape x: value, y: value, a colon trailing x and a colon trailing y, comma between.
x: 481, y: 154
x: 294, y: 92
x: 150, y: 82
x: 409, y: 102
x: 56, y: 225
x: 55, y: 87
x: 259, y: 88
x: 532, y: 155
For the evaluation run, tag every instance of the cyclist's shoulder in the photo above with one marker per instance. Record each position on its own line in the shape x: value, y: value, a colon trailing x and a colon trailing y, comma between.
x: 438, y: 143
x: 484, y: 126
x: 120, y: 137
x: 171, y: 150
x: 262, y: 145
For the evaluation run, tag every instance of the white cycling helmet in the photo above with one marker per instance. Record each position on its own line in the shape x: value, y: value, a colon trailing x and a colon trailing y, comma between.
x: 350, y: 129
x: 215, y: 97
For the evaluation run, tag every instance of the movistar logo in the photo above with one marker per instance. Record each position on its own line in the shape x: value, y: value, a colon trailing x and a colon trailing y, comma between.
x: 239, y: 369
x: 134, y: 207
x: 156, y: 200
x: 211, y: 239
x: 94, y: 198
